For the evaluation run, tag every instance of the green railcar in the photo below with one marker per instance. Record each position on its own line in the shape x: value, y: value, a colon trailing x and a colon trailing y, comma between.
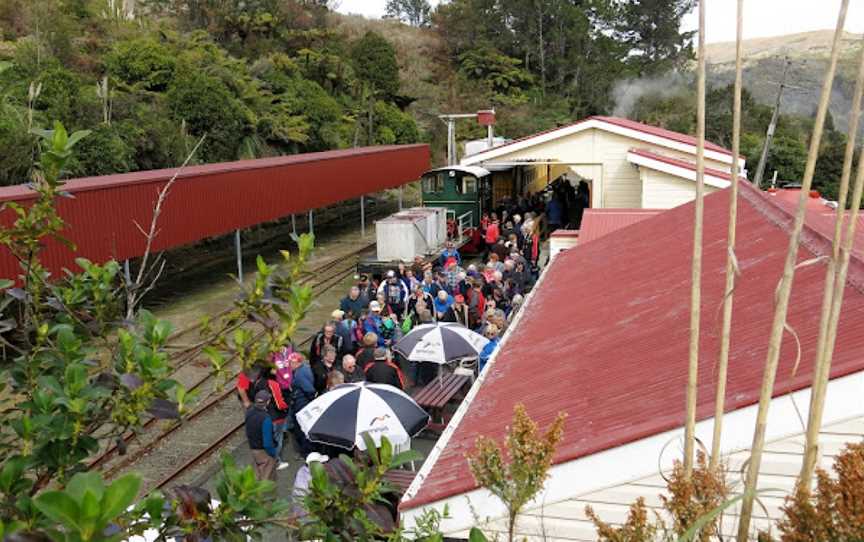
x: 466, y: 191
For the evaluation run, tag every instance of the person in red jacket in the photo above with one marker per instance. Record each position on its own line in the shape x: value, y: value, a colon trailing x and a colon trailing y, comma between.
x: 476, y: 303
x: 493, y: 231
x: 264, y: 379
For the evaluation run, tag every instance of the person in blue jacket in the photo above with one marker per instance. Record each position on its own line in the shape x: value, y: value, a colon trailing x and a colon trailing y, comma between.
x: 259, y: 432
x: 373, y: 322
x: 449, y: 252
x: 302, y: 393
x: 491, y: 333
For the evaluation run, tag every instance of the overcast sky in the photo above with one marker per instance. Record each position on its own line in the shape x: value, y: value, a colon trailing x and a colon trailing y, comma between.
x: 761, y: 17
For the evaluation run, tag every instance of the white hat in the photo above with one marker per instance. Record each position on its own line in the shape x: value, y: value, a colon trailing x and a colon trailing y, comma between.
x: 338, y: 313
x: 391, y: 274
x: 374, y: 306
x: 315, y: 457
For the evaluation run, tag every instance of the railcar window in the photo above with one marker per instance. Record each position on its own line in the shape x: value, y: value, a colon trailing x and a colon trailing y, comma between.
x: 469, y: 185
x: 433, y: 184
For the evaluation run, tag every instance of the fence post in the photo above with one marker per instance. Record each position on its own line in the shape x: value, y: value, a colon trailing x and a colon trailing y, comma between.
x: 239, y: 250
x: 400, y: 197
x: 363, y: 216
x: 311, y: 223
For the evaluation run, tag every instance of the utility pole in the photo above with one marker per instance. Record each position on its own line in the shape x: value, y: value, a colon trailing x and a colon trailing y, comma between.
x: 760, y: 169
x: 485, y: 117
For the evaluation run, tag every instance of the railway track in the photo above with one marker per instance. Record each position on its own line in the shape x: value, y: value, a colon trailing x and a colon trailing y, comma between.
x: 163, y: 453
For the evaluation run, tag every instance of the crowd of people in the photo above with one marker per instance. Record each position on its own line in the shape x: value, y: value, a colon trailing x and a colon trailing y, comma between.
x: 356, y: 343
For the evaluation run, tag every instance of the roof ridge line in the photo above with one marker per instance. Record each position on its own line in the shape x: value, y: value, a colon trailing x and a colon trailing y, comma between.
x: 811, y: 238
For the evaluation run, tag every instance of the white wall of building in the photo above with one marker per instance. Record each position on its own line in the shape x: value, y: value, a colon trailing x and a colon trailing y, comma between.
x: 662, y: 190
x: 601, y: 156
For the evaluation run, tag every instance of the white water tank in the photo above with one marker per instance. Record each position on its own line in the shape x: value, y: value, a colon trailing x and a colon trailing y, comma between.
x: 436, y: 223
x: 441, y: 222
x: 401, y: 237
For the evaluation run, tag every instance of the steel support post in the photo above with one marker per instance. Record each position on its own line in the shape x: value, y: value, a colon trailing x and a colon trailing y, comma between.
x: 363, y: 216
x: 239, y: 250
x: 400, y: 198
x: 127, y: 272
x: 311, y: 223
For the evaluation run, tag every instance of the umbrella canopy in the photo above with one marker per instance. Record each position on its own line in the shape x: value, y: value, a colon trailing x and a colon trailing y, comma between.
x: 440, y: 343
x: 341, y: 416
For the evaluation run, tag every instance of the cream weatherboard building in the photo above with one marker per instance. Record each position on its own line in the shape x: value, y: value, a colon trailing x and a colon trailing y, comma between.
x: 627, y: 164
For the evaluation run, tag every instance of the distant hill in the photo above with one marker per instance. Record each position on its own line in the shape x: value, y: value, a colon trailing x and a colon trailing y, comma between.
x: 808, y: 53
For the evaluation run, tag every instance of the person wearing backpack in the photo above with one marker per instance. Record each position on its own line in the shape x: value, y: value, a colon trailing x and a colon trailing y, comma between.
x: 420, y: 306
x: 395, y: 292
x: 260, y: 434
x: 278, y: 408
x: 343, y: 330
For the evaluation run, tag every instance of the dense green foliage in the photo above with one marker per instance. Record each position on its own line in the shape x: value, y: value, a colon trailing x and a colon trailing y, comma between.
x: 788, y: 152
x: 260, y: 79
x: 375, y: 63
x: 575, y: 51
x: 413, y: 12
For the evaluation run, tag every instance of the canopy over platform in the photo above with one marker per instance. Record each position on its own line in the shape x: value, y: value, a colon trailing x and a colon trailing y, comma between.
x: 105, y: 215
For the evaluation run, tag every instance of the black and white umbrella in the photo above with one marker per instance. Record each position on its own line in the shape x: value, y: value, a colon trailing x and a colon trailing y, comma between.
x: 440, y: 343
x: 341, y: 416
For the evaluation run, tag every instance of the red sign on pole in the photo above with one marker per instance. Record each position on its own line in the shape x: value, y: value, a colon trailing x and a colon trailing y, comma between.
x: 486, y: 117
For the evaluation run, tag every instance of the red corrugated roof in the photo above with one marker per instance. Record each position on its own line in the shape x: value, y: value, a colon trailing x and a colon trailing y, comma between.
x: 623, y: 123
x: 209, y: 200
x: 597, y: 223
x: 661, y: 132
x: 726, y: 176
x: 605, y: 336
x: 819, y: 215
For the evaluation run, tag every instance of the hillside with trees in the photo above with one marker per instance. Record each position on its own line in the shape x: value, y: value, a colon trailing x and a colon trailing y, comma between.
x: 272, y: 77
x: 275, y: 77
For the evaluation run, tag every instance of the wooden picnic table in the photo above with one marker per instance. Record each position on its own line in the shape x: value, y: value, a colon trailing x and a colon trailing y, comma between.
x: 437, y: 394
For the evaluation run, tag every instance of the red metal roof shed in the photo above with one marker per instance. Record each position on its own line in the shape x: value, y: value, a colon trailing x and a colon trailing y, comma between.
x: 605, y: 336
x: 597, y: 223
x: 210, y: 200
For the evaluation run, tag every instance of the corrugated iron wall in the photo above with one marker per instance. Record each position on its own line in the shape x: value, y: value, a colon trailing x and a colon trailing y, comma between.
x: 209, y: 200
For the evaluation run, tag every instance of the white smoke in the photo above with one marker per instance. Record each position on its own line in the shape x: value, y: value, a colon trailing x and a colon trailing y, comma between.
x: 628, y: 91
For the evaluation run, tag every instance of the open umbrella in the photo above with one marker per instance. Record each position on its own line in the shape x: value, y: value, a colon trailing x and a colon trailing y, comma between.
x: 341, y: 416
x: 440, y: 343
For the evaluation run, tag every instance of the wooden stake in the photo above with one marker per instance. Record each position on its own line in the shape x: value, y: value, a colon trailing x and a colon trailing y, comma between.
x: 696, y: 277
x: 785, y: 289
x: 835, y: 281
x: 725, y: 333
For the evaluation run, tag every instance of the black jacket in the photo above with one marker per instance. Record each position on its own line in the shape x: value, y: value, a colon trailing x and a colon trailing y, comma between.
x: 320, y: 372
x: 254, y: 422
x: 383, y: 372
x: 356, y: 376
